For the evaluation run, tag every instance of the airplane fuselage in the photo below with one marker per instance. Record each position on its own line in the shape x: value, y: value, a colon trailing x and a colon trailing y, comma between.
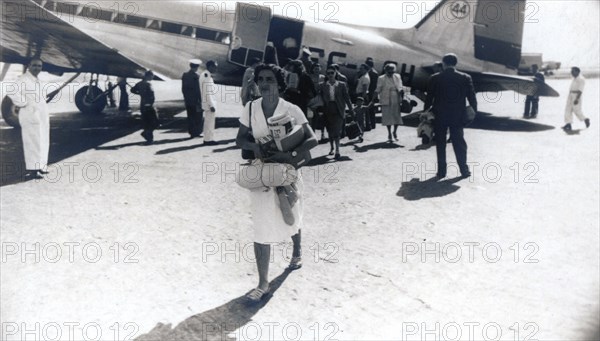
x: 164, y: 35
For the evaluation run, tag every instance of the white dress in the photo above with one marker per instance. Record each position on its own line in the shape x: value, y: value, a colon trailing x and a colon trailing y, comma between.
x: 269, y: 226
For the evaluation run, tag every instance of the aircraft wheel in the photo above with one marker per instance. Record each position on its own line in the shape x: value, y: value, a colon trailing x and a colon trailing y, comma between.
x: 425, y: 139
x: 10, y: 112
x: 84, y: 100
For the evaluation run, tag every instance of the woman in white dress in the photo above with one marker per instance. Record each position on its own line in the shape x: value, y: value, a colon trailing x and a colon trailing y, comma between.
x: 267, y: 218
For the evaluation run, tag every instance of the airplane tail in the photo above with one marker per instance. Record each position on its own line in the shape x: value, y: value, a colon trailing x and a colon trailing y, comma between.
x: 487, y: 30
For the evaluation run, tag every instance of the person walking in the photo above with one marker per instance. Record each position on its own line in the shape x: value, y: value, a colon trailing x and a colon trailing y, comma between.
x: 335, y: 98
x: 149, y: 118
x: 389, y: 91
x: 447, y: 93
x: 574, y: 100
x: 190, y: 87
x: 268, y: 221
x: 208, y: 90
x: 34, y: 120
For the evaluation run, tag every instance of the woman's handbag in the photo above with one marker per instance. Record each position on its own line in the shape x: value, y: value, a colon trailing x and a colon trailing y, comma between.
x: 248, y: 154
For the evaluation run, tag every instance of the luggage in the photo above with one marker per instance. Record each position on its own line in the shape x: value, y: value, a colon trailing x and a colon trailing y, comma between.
x: 353, y: 130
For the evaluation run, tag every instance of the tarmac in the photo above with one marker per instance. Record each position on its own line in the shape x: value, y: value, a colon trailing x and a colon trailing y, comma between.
x: 128, y: 241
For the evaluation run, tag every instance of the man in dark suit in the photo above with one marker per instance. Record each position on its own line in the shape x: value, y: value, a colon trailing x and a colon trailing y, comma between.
x: 190, y: 86
x: 447, y: 92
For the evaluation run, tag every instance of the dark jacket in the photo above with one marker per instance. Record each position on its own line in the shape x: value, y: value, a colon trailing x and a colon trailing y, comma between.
x: 144, y: 89
x: 342, y: 98
x: 447, y: 92
x: 190, y: 87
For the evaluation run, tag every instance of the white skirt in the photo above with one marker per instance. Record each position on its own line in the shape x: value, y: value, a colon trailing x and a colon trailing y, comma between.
x: 267, y: 219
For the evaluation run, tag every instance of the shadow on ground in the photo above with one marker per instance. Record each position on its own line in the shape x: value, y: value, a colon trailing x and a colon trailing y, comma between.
x: 433, y: 188
x: 73, y: 133
x: 488, y: 121
x: 214, y: 324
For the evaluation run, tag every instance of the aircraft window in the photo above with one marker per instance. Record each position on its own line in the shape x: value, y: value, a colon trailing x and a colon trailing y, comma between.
x: 154, y: 25
x: 134, y: 20
x: 202, y: 33
x: 224, y: 38
x: 187, y: 31
x: 171, y: 27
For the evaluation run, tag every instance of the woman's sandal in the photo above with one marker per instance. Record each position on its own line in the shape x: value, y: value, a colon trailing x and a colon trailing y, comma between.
x: 295, y: 263
x: 256, y: 295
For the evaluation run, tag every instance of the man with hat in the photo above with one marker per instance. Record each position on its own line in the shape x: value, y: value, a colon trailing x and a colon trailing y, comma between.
x: 209, y: 101
x: 447, y: 92
x: 190, y: 86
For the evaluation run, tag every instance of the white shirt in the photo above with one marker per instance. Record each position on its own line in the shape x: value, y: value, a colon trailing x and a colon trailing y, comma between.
x: 577, y: 84
x: 362, y: 81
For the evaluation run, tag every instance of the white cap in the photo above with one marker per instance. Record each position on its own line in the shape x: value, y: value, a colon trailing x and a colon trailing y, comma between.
x: 195, y: 61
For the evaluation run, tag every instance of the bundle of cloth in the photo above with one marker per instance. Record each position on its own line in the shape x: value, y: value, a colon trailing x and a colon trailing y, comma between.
x: 281, y: 174
x: 425, y: 127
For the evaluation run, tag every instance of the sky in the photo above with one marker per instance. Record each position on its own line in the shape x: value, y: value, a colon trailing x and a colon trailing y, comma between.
x: 563, y: 30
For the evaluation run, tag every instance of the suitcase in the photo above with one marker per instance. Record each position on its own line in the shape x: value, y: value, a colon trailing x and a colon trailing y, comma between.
x: 353, y: 130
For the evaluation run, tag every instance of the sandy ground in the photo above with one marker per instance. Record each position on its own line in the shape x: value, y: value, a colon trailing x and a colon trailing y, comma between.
x: 158, y: 247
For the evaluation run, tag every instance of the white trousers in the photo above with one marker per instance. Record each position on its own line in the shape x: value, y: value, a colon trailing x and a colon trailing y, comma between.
x: 35, y: 133
x: 209, y: 125
x: 572, y: 108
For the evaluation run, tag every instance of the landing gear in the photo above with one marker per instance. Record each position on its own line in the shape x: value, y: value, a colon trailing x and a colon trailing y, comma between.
x: 91, y: 99
x: 10, y: 112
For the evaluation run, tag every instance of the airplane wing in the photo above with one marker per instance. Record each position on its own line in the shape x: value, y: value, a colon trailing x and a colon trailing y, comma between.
x: 494, y: 82
x: 28, y: 29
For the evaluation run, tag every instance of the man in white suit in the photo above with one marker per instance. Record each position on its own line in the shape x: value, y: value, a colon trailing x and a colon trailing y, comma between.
x: 34, y: 119
x: 209, y: 102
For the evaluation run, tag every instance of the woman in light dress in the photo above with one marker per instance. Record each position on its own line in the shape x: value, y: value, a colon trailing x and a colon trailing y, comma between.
x: 269, y: 225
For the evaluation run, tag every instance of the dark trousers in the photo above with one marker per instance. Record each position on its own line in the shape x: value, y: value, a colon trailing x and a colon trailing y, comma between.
x: 194, y: 119
x: 124, y: 97
x: 458, y: 143
x: 531, y: 106
x: 149, y: 122
x: 370, y: 118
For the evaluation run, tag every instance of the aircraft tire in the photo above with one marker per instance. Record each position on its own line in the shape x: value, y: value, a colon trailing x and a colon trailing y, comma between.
x: 10, y: 112
x: 85, y: 105
x: 424, y: 139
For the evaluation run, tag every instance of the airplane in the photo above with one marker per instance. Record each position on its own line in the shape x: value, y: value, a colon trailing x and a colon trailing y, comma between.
x: 125, y: 38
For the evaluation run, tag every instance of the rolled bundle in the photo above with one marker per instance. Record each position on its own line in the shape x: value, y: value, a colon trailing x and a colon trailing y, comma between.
x: 260, y: 175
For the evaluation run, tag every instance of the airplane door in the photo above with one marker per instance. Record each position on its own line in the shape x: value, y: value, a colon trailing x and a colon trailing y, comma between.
x: 250, y: 33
